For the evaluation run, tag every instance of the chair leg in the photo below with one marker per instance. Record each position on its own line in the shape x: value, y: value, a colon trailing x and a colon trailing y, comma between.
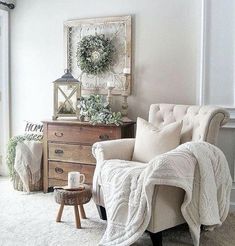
x: 59, y: 215
x: 77, y: 217
x: 82, y: 211
x: 156, y: 238
x: 102, y: 212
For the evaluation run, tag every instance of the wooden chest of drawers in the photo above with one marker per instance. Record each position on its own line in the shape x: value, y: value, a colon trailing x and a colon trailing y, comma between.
x: 67, y: 147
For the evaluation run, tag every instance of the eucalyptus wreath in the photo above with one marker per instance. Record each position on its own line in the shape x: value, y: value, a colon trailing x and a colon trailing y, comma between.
x: 95, y: 54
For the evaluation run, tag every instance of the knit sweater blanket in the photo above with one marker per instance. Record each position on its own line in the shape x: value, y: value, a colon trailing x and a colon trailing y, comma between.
x: 28, y: 162
x: 199, y: 168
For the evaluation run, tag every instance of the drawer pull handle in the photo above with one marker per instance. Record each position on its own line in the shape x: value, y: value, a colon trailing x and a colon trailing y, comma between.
x: 59, y: 151
x: 103, y: 137
x: 59, y: 170
x: 59, y: 134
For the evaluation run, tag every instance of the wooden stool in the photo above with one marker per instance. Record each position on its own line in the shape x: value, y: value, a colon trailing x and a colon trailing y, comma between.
x: 73, y: 198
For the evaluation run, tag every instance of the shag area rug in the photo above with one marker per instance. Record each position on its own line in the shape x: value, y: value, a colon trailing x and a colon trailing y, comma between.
x: 29, y: 220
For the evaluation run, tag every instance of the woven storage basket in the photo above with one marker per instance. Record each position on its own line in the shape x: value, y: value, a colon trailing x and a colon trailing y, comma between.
x: 11, y: 152
x: 18, y: 184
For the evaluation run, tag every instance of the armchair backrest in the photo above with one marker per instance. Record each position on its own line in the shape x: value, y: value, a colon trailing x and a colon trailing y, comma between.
x: 199, y: 122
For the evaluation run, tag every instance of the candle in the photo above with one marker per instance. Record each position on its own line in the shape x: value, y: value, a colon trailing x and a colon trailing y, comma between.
x: 126, y: 70
x: 110, y: 84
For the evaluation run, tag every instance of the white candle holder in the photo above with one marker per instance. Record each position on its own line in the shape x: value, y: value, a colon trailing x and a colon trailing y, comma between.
x: 124, y: 111
x: 109, y: 96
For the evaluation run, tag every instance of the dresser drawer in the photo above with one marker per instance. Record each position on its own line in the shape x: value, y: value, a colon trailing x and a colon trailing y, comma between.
x: 82, y: 134
x: 71, y: 153
x: 60, y: 170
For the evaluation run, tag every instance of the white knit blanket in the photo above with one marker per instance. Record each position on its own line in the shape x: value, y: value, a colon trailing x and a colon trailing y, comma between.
x: 199, y: 168
x: 28, y: 161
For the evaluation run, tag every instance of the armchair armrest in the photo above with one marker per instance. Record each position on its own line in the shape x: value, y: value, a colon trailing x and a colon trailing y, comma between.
x: 114, y: 149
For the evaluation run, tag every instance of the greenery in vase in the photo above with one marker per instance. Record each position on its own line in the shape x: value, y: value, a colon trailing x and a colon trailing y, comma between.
x: 98, y: 111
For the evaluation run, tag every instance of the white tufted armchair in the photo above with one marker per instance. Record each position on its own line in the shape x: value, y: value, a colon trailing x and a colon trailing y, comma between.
x: 199, y: 123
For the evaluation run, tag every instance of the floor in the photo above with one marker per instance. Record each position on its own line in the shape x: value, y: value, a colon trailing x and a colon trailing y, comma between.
x: 29, y: 220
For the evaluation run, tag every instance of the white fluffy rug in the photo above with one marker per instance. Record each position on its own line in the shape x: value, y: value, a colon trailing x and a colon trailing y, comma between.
x: 29, y: 220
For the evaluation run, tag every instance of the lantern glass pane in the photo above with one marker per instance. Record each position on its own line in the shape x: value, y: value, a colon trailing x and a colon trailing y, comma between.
x: 67, y: 99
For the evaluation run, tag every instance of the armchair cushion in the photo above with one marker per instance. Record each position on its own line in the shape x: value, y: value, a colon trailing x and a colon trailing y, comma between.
x: 152, y: 141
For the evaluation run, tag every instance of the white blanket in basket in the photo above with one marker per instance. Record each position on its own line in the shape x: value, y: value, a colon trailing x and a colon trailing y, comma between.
x: 28, y: 162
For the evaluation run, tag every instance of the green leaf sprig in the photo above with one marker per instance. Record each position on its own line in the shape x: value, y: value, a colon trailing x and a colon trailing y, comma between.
x: 98, y: 111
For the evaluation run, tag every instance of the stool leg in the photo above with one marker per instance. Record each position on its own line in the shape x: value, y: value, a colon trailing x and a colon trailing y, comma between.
x: 77, y: 218
x: 58, y: 219
x: 82, y: 212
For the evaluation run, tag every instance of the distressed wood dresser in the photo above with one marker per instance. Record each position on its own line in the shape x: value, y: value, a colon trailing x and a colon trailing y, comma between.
x: 67, y: 147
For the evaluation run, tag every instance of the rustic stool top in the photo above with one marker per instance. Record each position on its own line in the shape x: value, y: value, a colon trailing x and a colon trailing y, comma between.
x: 78, y: 197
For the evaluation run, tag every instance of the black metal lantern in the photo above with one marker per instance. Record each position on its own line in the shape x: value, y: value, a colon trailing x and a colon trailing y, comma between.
x: 67, y: 94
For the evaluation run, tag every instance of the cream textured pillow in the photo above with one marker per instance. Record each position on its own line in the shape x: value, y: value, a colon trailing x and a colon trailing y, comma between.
x: 151, y: 141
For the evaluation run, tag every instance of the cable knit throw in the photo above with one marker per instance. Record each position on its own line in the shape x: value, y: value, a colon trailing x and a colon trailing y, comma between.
x: 199, y: 168
x: 28, y: 162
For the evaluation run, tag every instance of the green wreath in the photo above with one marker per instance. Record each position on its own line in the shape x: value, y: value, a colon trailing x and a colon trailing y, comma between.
x: 95, y: 54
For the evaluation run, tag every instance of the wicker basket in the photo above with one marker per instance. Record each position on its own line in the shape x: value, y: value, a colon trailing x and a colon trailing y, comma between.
x: 18, y: 184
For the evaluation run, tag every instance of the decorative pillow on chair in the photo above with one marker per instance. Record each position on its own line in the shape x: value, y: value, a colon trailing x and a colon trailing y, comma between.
x: 151, y: 141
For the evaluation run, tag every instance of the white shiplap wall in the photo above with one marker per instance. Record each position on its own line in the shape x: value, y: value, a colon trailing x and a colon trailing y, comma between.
x: 218, y: 69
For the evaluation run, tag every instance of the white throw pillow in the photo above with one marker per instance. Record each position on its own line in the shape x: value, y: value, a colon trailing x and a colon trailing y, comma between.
x: 151, y: 141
